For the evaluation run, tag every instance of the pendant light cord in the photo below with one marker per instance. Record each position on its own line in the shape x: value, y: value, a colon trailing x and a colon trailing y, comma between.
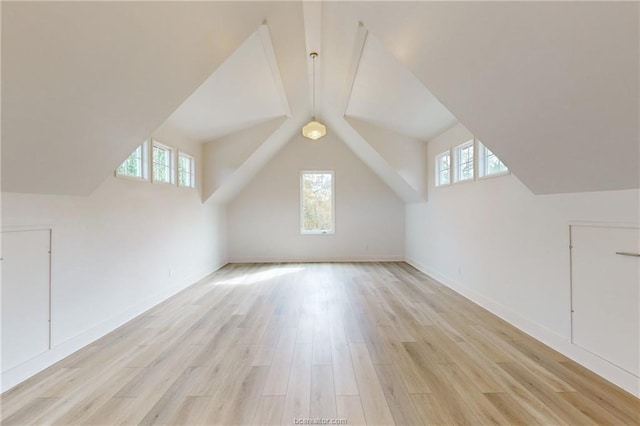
x: 313, y: 79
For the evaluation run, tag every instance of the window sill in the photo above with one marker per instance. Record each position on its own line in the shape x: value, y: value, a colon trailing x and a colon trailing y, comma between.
x: 317, y: 232
x: 495, y: 175
x: 464, y: 181
x: 161, y: 182
x: 134, y: 178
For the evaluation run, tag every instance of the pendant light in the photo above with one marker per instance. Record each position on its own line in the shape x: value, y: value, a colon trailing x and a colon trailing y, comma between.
x: 314, y: 129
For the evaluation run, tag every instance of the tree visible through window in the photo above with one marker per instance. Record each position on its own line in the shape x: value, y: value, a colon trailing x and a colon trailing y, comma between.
x: 464, y: 162
x: 162, y: 157
x: 489, y: 164
x: 443, y: 168
x: 186, y: 172
x: 136, y: 163
x: 186, y: 176
x: 317, y: 202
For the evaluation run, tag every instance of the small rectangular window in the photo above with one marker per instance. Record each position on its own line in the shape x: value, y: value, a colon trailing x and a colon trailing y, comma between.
x: 186, y: 170
x: 136, y: 164
x: 317, y: 206
x: 443, y: 169
x: 463, y: 155
x: 162, y: 163
x: 488, y: 163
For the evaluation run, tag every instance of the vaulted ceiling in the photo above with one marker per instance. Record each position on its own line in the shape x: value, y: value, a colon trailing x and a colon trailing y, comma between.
x: 551, y: 88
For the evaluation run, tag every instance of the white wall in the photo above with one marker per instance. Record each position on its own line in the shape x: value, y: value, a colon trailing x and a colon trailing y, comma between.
x: 118, y: 252
x: 264, y: 220
x: 507, y: 249
x: 405, y: 154
x: 223, y: 156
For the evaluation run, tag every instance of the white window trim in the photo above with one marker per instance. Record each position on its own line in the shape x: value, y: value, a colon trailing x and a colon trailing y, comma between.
x: 437, y: 167
x: 145, y: 165
x: 480, y: 147
x: 333, y: 203
x: 193, y: 170
x: 456, y: 153
x: 172, y: 163
x: 495, y: 175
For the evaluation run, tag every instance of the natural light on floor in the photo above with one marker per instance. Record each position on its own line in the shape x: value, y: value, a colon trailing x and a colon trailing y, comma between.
x: 256, y: 277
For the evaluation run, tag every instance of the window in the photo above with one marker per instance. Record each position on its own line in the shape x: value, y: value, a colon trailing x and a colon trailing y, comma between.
x: 443, y: 169
x: 488, y: 163
x: 163, y: 168
x: 463, y: 156
x: 135, y: 165
x: 317, y: 203
x: 186, y: 171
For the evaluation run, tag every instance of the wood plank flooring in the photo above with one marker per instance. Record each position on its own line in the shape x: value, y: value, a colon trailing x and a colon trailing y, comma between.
x: 367, y: 343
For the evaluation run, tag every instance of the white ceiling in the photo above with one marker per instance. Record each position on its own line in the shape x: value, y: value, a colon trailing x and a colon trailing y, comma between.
x: 551, y: 87
x: 386, y: 94
x: 245, y: 90
x: 83, y: 83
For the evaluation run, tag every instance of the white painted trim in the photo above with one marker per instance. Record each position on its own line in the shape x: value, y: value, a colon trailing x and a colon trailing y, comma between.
x: 332, y: 231
x: 562, y: 344
x: 316, y: 259
x: 479, y: 154
x: 493, y: 176
x: 19, y: 228
x: 173, y: 161
x: 605, y: 224
x: 144, y: 163
x: 437, y: 168
x: 267, y: 45
x: 192, y: 160
x: 22, y: 372
x: 455, y: 160
x: 133, y: 178
x: 455, y: 157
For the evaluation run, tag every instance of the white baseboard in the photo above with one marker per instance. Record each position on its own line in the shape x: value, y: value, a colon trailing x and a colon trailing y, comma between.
x: 27, y: 369
x: 319, y: 259
x: 562, y: 344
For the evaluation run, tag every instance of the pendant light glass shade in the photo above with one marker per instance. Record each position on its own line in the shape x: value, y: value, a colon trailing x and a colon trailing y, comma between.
x: 314, y: 129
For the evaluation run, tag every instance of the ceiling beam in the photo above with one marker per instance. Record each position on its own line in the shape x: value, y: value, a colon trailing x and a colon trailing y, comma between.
x: 358, y: 48
x: 312, y: 12
x: 380, y: 166
x: 267, y: 44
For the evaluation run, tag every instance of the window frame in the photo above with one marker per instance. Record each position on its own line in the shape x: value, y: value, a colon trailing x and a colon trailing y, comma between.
x: 192, y: 160
x: 456, y: 160
x: 482, y: 163
x: 144, y: 164
x: 172, y: 163
x: 332, y: 231
x: 438, y: 170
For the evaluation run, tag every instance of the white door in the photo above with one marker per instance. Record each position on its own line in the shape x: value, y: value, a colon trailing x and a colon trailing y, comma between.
x: 25, y: 295
x: 605, y: 280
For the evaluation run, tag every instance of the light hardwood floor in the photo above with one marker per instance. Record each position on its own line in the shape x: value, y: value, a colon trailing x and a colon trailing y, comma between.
x: 374, y: 343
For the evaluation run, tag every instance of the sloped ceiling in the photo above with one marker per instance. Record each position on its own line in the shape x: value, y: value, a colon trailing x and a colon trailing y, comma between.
x: 552, y: 88
x: 244, y: 91
x: 387, y: 95
x: 83, y: 83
